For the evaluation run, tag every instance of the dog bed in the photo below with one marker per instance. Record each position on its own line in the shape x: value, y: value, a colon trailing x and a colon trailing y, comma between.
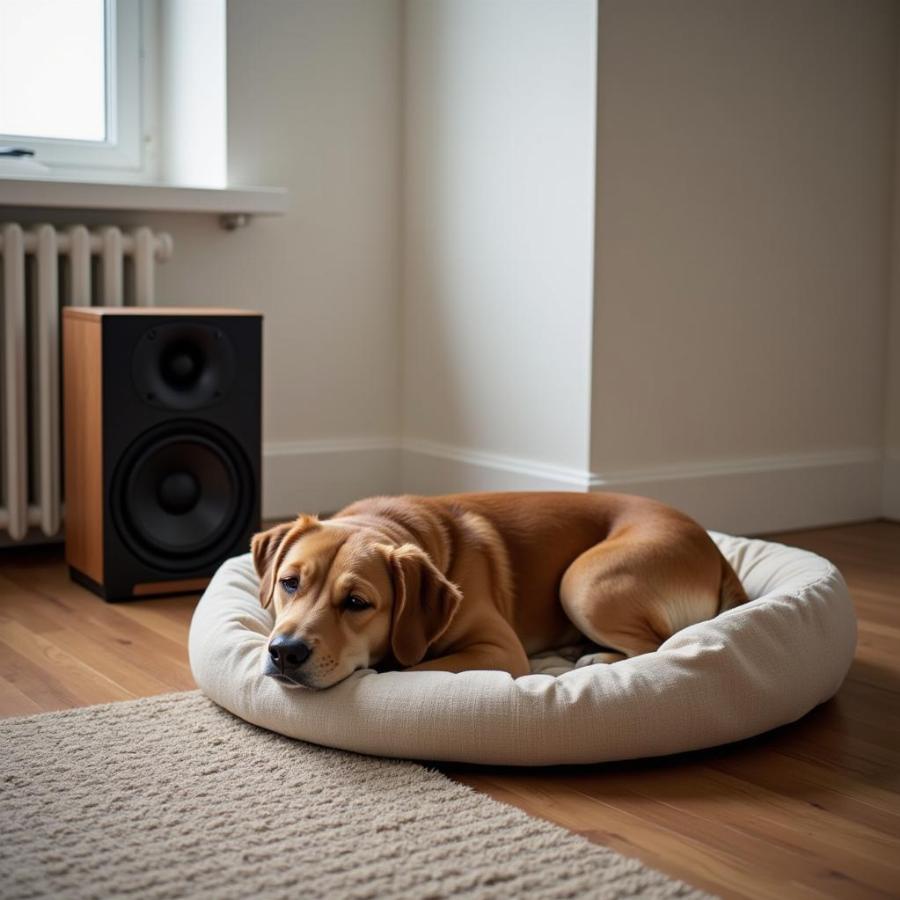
x: 756, y: 667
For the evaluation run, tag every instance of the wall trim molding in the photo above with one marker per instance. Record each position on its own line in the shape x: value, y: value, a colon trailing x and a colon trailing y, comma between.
x: 328, y: 445
x: 765, y: 494
x: 574, y: 479
x: 746, y: 466
x: 749, y: 495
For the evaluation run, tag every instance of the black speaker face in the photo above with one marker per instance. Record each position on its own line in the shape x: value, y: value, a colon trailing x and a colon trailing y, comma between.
x: 181, y: 446
x: 181, y: 492
x: 183, y: 366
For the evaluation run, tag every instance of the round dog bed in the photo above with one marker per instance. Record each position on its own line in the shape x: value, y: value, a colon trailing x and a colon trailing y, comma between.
x: 758, y: 666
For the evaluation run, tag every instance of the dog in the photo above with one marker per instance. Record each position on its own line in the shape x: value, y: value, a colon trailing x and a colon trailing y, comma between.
x: 482, y: 581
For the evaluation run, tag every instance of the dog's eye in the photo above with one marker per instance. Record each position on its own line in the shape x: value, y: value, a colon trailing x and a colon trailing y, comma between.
x: 290, y: 585
x: 356, y: 604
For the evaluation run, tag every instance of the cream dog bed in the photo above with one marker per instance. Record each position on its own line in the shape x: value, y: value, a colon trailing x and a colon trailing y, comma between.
x: 751, y: 669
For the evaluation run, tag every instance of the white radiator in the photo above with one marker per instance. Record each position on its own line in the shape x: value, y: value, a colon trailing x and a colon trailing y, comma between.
x: 45, y: 268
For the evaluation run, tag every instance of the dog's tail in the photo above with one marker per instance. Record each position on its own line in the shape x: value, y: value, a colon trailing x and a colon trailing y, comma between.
x: 731, y: 592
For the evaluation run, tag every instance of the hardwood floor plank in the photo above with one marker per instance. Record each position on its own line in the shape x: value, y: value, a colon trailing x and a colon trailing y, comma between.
x: 114, y: 634
x: 14, y: 703
x: 833, y: 790
x: 76, y: 677
x: 870, y: 858
x: 132, y: 677
x: 115, y: 641
x: 31, y: 679
x: 167, y: 620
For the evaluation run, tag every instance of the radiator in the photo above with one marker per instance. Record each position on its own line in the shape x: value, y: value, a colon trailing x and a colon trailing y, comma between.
x: 45, y: 268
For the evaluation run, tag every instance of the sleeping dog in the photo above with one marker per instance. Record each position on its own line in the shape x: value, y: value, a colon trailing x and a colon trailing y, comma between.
x: 482, y: 581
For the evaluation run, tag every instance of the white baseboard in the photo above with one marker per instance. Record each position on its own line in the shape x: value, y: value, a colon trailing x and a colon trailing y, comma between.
x: 431, y: 468
x: 323, y: 476
x: 750, y: 496
x: 891, y: 508
x: 756, y: 496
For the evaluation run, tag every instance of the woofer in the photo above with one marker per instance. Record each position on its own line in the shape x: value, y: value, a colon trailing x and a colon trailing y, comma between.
x: 183, y: 366
x: 180, y: 493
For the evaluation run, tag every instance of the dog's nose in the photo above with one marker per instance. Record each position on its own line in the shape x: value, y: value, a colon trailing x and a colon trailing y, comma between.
x: 288, y: 653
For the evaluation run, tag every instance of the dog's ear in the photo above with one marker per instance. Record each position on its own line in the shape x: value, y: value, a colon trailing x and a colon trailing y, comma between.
x: 425, y: 603
x: 266, y: 547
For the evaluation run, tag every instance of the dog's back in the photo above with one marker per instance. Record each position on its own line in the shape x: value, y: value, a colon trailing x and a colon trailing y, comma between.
x: 581, y: 550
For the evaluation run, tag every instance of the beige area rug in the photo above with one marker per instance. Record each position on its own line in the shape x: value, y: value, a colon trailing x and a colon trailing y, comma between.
x: 173, y: 797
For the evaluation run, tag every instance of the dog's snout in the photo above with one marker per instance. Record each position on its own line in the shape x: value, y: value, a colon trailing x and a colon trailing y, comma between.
x: 288, y: 653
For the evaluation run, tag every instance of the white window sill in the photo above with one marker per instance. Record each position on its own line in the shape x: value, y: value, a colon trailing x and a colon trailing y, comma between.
x: 232, y: 205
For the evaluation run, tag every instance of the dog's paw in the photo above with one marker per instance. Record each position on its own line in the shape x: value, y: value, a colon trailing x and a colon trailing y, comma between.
x: 603, y: 657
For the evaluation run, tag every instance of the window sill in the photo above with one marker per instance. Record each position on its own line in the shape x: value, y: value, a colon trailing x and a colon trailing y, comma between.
x: 232, y: 205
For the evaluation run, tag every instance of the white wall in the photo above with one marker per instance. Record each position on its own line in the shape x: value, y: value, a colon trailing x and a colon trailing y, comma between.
x: 498, y: 191
x: 193, y: 100
x: 313, y: 105
x: 744, y: 174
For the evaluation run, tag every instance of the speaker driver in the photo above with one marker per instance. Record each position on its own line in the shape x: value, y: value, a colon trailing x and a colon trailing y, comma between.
x: 183, y: 366
x: 181, y: 495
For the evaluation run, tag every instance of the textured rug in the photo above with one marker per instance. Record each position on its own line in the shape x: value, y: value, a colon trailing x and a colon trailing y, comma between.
x: 173, y: 797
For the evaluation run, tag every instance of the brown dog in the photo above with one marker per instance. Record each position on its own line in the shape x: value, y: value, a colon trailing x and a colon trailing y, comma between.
x: 481, y: 581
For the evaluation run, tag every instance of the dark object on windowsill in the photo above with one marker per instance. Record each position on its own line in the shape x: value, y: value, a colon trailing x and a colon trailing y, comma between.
x: 16, y: 162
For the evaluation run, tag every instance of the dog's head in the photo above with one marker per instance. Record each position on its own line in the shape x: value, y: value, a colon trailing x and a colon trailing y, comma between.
x: 345, y: 599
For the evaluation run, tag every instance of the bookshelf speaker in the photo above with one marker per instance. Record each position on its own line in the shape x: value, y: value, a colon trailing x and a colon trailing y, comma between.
x: 162, y: 445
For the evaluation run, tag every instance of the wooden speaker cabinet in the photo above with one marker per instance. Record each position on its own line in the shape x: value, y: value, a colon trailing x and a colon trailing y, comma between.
x: 162, y: 445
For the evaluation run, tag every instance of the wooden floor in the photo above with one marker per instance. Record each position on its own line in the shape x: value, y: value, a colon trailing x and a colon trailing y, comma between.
x: 811, y: 810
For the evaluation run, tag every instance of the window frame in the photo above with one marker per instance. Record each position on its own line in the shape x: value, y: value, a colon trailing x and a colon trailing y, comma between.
x: 125, y: 154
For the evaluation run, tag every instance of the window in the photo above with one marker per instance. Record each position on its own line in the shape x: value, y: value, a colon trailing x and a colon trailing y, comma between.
x: 72, y: 86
